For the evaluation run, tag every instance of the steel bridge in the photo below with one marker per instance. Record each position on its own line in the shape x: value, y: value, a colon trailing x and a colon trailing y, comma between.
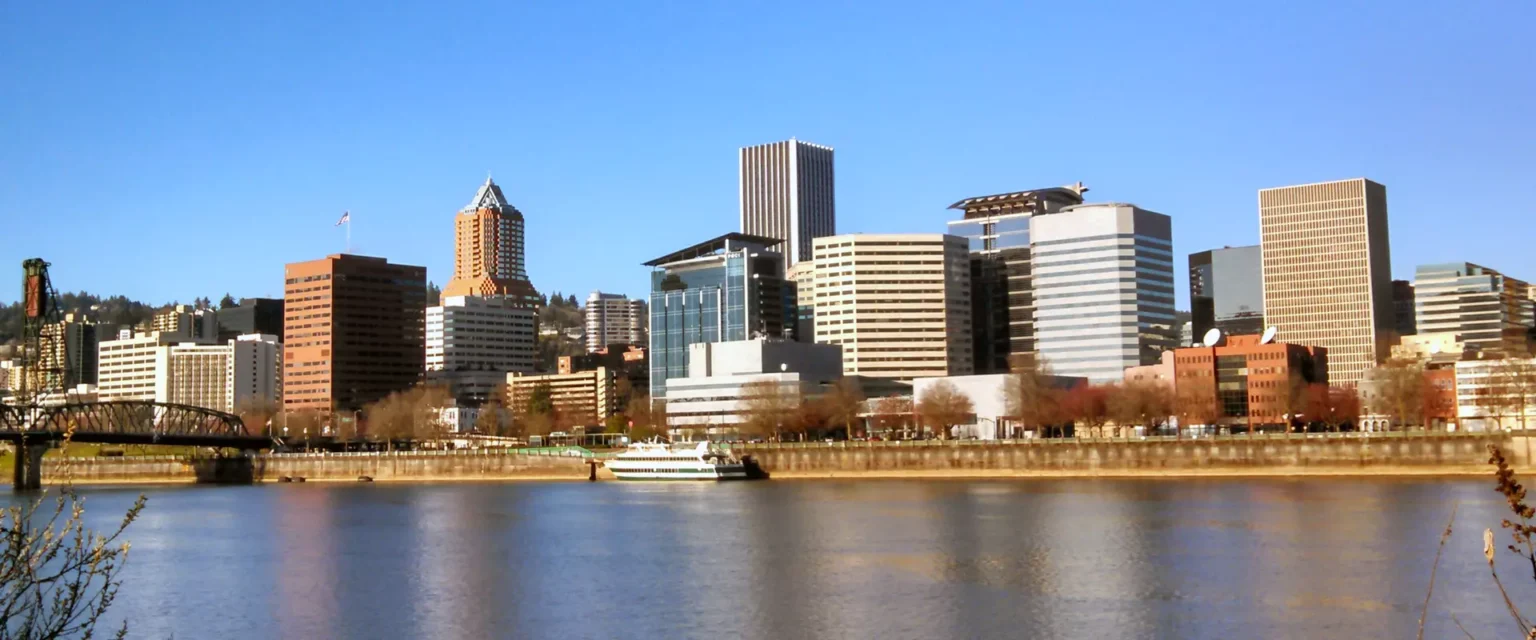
x: 33, y: 429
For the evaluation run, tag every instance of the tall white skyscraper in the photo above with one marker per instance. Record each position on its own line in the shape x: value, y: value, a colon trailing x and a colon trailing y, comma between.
x: 1103, y: 284
x: 1328, y: 271
x: 611, y: 318
x: 787, y: 194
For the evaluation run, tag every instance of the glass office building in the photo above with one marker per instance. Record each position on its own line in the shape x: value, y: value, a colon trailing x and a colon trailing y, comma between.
x: 1226, y: 290
x: 725, y: 289
x: 1002, y: 298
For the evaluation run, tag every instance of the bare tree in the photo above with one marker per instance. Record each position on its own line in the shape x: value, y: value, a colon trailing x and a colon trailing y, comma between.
x: 256, y: 415
x: 893, y: 412
x: 1334, y: 406
x: 1515, y: 383
x: 942, y: 407
x: 1398, y: 387
x: 843, y: 404
x: 641, y: 417
x: 1086, y: 405
x: 1141, y: 403
x: 1195, y: 402
x: 768, y: 407
x: 1032, y: 397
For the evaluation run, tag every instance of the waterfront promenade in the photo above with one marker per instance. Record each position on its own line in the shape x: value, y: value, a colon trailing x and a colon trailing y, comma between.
x: 1393, y: 453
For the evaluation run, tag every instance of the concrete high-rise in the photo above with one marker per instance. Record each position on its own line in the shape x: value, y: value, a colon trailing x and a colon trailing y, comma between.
x: 488, y: 250
x: 787, y: 194
x: 1103, y: 283
x: 1328, y: 271
x: 1490, y: 311
x: 612, y: 318
x: 473, y: 343
x: 899, y: 304
x: 353, y: 331
x: 1226, y: 290
x: 1002, y: 299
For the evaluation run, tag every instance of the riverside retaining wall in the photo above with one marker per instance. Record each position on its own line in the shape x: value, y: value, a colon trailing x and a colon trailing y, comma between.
x: 1294, y: 455
x: 416, y: 465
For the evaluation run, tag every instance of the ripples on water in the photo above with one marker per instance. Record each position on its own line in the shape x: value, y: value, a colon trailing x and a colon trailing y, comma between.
x: 1321, y: 558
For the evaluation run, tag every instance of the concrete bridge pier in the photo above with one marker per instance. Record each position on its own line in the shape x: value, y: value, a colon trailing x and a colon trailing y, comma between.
x: 28, y: 473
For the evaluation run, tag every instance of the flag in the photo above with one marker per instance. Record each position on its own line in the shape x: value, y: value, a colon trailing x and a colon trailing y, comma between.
x: 346, y: 216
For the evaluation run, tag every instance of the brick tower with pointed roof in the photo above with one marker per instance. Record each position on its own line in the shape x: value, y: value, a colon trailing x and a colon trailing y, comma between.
x: 488, y: 250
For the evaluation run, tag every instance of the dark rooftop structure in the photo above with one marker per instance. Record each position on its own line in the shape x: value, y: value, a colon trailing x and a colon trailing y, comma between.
x: 714, y: 246
x: 1046, y: 200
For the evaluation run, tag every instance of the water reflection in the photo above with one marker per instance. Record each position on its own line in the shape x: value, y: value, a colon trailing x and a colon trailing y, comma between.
x: 1318, y: 558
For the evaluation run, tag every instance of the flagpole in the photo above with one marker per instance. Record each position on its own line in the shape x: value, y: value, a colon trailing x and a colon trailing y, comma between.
x: 349, y: 232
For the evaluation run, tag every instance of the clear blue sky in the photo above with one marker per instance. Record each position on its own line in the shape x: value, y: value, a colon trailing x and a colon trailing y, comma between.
x: 171, y: 150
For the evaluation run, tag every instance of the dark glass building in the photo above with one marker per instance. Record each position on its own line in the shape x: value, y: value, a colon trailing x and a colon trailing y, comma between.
x: 1002, y: 297
x: 720, y: 290
x: 254, y: 315
x: 1226, y: 291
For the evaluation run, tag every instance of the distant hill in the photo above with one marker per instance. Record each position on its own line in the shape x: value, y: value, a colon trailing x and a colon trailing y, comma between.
x: 111, y: 310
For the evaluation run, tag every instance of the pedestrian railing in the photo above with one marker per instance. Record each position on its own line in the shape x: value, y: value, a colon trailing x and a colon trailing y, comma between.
x: 1081, y: 440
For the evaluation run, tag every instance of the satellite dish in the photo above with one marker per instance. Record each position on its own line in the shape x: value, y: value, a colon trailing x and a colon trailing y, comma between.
x: 1434, y: 348
x: 1269, y: 335
x: 1213, y: 338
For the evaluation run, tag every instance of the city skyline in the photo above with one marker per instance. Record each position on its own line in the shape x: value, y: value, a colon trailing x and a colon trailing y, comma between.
x: 216, y: 160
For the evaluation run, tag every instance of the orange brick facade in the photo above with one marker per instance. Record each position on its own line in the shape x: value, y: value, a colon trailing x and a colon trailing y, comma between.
x: 353, y: 331
x: 1251, y: 384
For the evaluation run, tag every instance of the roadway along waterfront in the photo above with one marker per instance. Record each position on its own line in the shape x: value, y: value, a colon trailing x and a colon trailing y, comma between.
x: 1310, y: 558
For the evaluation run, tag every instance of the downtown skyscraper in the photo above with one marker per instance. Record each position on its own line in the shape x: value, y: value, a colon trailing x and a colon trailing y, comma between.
x: 1327, y: 271
x: 787, y: 194
x: 488, y: 258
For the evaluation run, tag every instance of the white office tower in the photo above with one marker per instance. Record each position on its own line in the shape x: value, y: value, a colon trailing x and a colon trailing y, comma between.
x: 1103, y: 282
x: 613, y: 319
x: 473, y: 343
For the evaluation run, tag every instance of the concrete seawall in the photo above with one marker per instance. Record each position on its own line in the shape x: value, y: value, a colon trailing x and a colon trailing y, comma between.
x: 1397, y: 454
x: 411, y: 466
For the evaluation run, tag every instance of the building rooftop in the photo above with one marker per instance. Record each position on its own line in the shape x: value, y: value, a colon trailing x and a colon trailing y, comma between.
x: 489, y: 196
x: 1072, y: 194
x: 712, y: 247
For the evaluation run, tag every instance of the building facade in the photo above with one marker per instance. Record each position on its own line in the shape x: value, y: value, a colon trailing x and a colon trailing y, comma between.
x: 71, y: 347
x: 473, y: 343
x: 136, y: 367
x: 1405, y: 321
x: 612, y: 318
x: 255, y: 375
x: 1103, y: 289
x: 1249, y: 382
x: 709, y: 400
x: 1226, y: 290
x: 353, y: 331
x: 1494, y: 394
x: 1327, y: 271
x: 254, y: 316
x: 188, y: 321
x: 159, y: 367
x: 581, y: 399
x: 898, y: 304
x: 488, y: 257
x: 1491, y: 312
x: 1002, y: 294
x: 787, y: 194
x: 728, y: 288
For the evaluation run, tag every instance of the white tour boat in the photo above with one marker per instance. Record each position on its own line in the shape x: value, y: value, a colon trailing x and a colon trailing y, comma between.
x: 681, y: 461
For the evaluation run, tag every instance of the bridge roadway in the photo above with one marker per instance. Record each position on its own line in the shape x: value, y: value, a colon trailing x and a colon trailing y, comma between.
x: 34, y: 429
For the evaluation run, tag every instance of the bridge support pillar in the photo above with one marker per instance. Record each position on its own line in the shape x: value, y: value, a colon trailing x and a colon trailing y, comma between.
x: 29, y: 465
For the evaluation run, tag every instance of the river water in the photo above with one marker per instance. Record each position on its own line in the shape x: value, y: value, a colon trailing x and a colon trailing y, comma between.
x: 1314, y: 558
